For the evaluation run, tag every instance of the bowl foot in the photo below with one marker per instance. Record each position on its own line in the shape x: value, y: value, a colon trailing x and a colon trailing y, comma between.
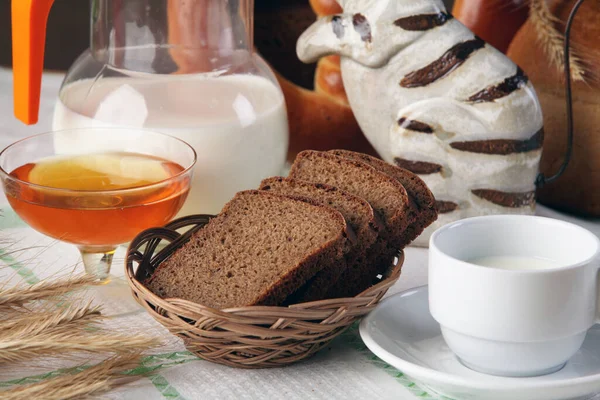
x: 513, y: 374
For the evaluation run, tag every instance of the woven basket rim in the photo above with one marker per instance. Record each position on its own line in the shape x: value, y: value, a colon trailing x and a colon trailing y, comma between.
x: 179, y: 305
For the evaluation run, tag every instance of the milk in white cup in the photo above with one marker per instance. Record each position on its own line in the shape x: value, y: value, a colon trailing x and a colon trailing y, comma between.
x: 515, y: 262
x: 526, y: 311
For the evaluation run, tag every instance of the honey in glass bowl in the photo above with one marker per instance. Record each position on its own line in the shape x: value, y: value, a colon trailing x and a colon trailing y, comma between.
x: 98, y: 192
x: 80, y: 198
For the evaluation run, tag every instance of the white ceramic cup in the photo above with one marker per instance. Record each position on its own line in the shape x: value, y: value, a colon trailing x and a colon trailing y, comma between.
x: 514, y: 322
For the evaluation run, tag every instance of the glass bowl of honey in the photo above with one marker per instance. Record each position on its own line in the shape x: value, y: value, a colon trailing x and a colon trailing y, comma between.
x: 97, y: 188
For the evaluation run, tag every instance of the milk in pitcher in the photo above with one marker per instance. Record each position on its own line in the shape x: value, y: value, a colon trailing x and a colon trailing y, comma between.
x: 237, y: 124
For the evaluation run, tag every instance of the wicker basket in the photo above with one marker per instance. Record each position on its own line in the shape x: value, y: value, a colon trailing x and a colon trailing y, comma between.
x: 246, y: 337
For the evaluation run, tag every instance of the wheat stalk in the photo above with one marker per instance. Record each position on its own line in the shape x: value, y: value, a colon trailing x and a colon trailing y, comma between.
x: 552, y: 41
x: 92, y: 381
x: 36, y: 323
x: 65, y: 320
x: 58, y: 343
x: 11, y: 312
x: 19, y: 295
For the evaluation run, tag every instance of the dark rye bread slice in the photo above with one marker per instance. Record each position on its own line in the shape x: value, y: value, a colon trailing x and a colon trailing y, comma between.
x: 423, y: 204
x: 259, y: 250
x: 359, y: 216
x: 385, y: 194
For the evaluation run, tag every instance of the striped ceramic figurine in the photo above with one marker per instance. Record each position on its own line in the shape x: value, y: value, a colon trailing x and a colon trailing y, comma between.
x: 435, y: 99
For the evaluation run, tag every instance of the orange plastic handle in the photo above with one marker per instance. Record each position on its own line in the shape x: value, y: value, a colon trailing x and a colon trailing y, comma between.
x: 29, y: 20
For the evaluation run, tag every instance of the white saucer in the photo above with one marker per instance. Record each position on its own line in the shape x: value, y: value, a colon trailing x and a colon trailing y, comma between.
x: 402, y: 332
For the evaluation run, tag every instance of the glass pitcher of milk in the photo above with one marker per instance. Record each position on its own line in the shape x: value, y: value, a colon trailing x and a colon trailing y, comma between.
x: 186, y: 68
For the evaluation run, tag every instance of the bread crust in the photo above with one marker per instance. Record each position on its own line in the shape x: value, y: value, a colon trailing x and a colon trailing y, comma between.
x: 397, y: 221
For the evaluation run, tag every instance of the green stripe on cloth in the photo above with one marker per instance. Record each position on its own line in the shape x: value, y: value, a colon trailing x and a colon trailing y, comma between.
x: 158, y: 362
x: 24, y: 272
x: 28, y: 380
x: 155, y: 362
x: 170, y: 358
x: 165, y: 388
x: 148, y: 365
x: 9, y: 219
x: 159, y: 381
x: 352, y: 337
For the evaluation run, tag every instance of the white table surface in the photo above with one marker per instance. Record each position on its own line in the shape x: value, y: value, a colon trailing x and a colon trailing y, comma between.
x: 347, y: 370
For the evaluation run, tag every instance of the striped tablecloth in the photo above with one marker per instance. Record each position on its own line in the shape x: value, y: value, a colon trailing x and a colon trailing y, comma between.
x: 345, y: 370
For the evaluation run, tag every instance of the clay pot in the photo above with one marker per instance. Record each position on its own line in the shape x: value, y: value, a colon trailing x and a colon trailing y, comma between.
x: 578, y: 190
x: 496, y: 22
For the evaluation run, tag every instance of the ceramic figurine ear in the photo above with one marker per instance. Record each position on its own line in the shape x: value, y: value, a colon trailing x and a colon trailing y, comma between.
x: 325, y: 37
x: 352, y: 36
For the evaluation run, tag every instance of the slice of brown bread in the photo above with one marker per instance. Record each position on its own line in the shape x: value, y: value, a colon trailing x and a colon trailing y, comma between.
x: 259, y: 250
x: 359, y: 216
x: 385, y: 194
x: 423, y: 207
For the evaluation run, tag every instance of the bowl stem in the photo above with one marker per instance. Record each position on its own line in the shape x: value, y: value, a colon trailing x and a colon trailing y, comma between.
x: 97, y: 260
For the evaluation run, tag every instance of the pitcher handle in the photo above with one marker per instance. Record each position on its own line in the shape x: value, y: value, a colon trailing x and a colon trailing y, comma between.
x: 541, y: 180
x: 29, y: 20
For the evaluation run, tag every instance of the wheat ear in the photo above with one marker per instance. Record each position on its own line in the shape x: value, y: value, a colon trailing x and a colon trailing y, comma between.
x: 44, y: 290
x: 59, y: 343
x: 58, y: 321
x: 91, y: 381
x: 552, y: 41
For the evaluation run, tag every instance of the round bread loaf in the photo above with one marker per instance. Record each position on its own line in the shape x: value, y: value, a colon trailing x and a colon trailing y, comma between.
x: 578, y: 190
x: 325, y: 7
